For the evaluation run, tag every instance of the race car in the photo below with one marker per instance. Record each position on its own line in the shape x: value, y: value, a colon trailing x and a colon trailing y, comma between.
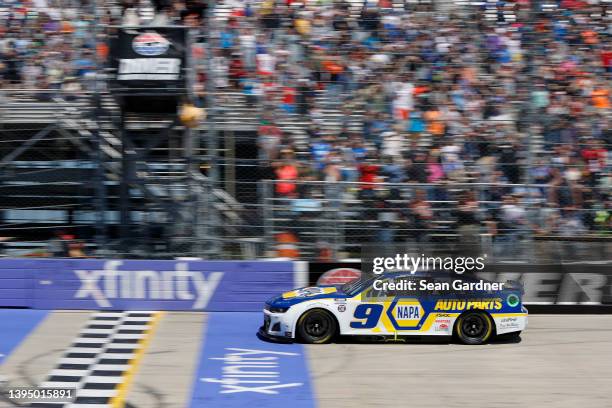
x: 367, y: 307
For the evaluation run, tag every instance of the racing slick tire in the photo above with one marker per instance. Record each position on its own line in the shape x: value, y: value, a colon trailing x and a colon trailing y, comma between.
x: 316, y: 326
x: 474, y: 327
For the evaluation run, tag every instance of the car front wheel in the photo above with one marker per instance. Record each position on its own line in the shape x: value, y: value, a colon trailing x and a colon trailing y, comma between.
x: 316, y: 326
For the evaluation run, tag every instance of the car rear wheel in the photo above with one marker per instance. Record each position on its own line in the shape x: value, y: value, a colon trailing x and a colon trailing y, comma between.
x: 474, y: 328
x: 316, y: 326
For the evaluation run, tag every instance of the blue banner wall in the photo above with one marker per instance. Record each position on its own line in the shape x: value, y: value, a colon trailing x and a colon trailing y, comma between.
x: 142, y: 285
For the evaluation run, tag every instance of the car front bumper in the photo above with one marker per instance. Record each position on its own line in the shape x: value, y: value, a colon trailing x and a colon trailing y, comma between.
x: 276, y: 327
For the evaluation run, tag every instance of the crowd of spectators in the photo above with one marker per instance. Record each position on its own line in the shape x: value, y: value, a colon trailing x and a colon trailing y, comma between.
x: 54, y: 47
x: 501, y: 94
x: 48, y: 46
x: 446, y: 94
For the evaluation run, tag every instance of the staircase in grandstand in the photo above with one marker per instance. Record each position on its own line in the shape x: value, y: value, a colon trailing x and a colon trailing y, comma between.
x: 53, y: 171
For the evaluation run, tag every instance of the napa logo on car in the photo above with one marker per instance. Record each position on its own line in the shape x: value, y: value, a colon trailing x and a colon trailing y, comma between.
x: 407, y: 313
x: 150, y: 44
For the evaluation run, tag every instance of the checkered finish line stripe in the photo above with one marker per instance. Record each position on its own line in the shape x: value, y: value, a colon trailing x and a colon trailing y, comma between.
x: 102, y: 360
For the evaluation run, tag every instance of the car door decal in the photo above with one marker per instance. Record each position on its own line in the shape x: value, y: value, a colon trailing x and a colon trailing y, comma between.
x: 370, y: 312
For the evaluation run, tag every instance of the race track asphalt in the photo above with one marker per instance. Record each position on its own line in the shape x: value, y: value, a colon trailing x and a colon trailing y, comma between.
x: 561, y: 361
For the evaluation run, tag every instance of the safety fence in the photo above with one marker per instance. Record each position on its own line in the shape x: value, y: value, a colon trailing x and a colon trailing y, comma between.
x: 331, y: 220
x: 317, y: 220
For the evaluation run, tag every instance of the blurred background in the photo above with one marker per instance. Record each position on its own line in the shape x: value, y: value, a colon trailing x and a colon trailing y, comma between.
x: 306, y: 129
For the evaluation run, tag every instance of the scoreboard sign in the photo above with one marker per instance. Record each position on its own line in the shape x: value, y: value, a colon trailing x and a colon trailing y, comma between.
x: 149, y: 69
x: 148, y: 60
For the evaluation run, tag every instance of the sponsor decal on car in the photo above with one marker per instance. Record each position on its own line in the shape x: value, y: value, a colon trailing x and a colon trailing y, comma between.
x: 341, y: 308
x: 442, y: 324
x: 308, y: 292
x: 509, y: 323
x: 454, y: 304
x: 406, y: 313
x: 512, y: 300
x: 150, y: 44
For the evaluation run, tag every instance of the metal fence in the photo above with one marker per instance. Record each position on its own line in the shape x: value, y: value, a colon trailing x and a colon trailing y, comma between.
x: 341, y: 217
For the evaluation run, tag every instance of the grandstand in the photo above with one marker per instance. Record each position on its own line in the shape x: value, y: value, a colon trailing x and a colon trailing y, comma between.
x: 340, y: 123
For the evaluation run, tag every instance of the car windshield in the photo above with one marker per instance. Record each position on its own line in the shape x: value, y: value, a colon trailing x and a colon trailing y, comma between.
x: 356, y: 286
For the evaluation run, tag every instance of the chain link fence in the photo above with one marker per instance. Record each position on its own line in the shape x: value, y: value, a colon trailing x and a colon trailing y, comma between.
x: 504, y: 218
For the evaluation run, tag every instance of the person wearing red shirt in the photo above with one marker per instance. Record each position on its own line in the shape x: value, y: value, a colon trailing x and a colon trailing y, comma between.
x: 286, y: 175
x: 606, y: 59
x: 367, y: 174
x: 288, y: 99
x: 595, y: 155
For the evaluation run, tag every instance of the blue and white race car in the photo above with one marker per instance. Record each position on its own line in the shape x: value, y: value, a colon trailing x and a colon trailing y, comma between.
x: 362, y: 308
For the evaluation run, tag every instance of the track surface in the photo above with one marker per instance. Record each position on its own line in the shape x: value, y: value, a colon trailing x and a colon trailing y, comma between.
x: 562, y: 361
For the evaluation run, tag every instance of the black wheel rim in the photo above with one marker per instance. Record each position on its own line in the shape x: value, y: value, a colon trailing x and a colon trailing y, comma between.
x: 473, y: 326
x: 317, y: 325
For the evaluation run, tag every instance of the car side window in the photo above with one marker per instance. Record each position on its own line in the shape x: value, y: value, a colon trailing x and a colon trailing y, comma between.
x: 379, y: 293
x: 382, y: 293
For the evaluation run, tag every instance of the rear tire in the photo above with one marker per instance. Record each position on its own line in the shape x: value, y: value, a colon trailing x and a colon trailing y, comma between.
x: 474, y: 327
x: 316, y: 326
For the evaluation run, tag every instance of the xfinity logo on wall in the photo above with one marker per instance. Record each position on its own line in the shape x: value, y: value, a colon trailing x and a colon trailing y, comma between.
x: 247, y: 370
x: 150, y: 44
x: 111, y: 283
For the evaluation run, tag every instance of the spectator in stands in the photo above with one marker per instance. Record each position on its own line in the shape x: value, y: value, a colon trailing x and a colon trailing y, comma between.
x: 419, y: 216
x: 467, y: 216
x: 287, y: 175
x: 59, y: 246
x: 571, y: 223
x: 513, y: 218
x: 269, y: 139
x: 368, y: 174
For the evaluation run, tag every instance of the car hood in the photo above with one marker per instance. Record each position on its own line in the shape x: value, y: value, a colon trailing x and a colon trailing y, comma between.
x: 308, y: 293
